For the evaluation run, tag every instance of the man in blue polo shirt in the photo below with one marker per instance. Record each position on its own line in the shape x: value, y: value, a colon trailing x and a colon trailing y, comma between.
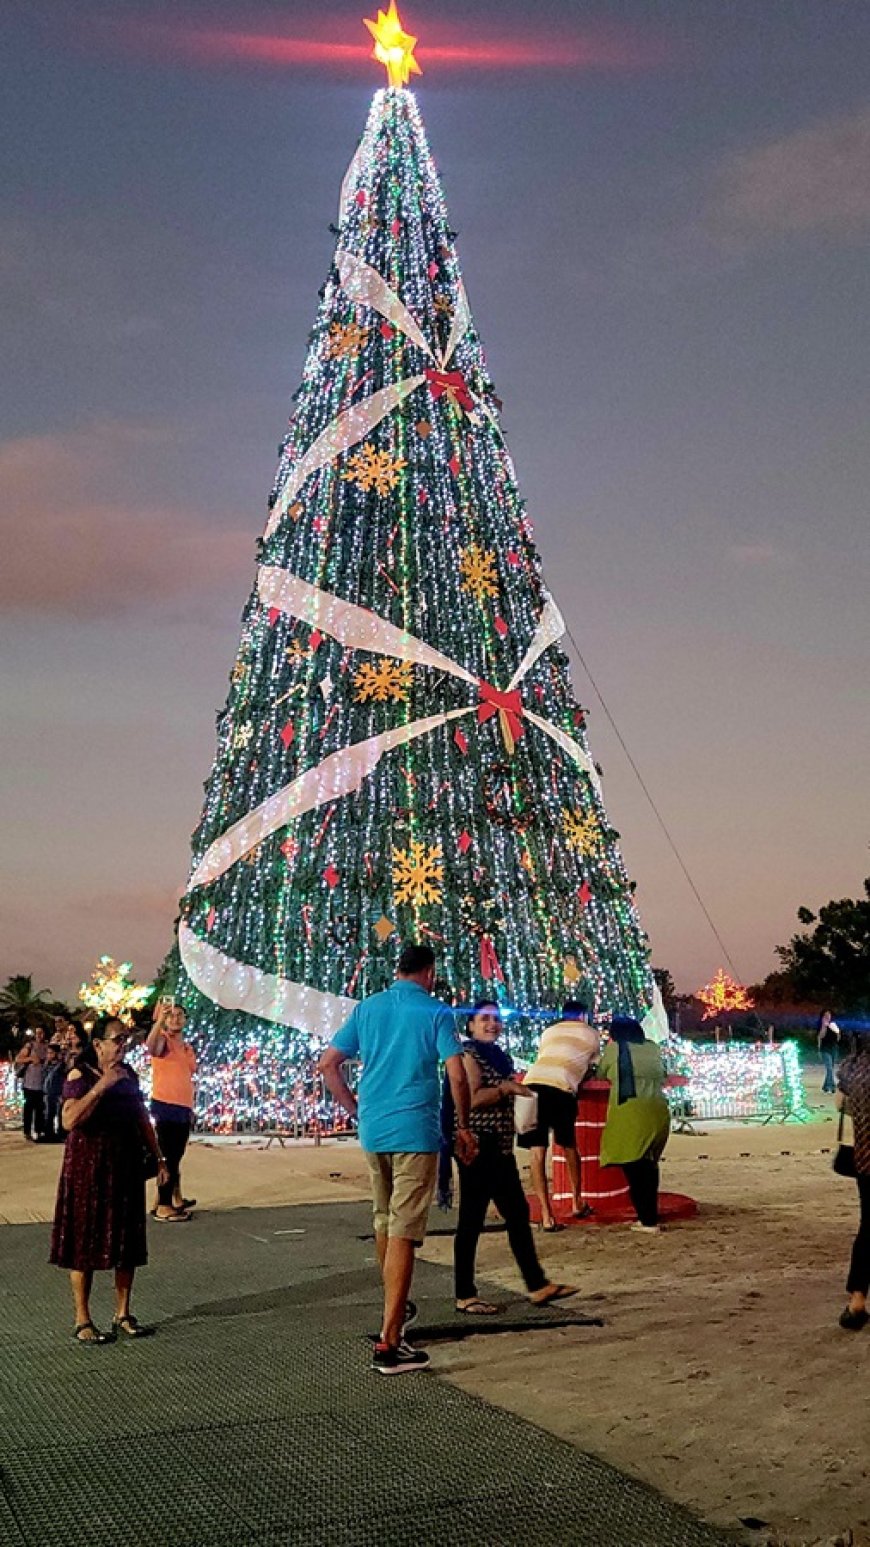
x: 401, y: 1037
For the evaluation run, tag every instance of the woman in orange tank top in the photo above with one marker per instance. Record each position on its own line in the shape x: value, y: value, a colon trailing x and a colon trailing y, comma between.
x: 173, y: 1063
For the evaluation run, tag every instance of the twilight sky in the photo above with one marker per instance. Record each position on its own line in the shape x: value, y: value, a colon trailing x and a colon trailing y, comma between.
x: 664, y: 220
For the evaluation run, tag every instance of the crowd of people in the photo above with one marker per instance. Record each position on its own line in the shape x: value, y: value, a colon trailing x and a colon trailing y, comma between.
x: 416, y: 1132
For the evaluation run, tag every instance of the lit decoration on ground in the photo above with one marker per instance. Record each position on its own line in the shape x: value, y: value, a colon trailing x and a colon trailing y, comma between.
x: 737, y: 1080
x: 112, y: 990
x: 723, y: 997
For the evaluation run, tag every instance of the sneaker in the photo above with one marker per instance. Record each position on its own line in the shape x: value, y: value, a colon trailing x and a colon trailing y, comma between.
x: 403, y: 1360
x: 646, y: 1229
x: 411, y: 1316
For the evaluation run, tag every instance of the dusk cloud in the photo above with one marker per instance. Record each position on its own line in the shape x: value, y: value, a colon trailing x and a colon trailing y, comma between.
x: 814, y: 180
x: 76, y: 541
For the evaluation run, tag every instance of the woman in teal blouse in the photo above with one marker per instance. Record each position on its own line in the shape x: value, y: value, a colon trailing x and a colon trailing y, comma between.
x: 638, y: 1116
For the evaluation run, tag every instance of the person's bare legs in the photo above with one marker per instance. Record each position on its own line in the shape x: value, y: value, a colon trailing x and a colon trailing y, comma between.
x: 572, y: 1161
x: 538, y: 1161
x: 81, y: 1285
x: 396, y: 1256
x: 123, y: 1287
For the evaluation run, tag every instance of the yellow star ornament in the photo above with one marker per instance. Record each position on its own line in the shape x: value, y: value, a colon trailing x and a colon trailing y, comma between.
x: 393, y: 47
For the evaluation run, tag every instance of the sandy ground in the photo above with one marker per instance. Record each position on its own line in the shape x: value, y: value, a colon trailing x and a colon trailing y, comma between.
x: 720, y: 1376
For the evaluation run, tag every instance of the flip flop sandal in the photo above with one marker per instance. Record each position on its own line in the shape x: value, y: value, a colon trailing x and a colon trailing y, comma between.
x: 178, y: 1218
x: 130, y: 1327
x: 551, y: 1229
x: 93, y: 1342
x: 560, y: 1292
x: 477, y: 1307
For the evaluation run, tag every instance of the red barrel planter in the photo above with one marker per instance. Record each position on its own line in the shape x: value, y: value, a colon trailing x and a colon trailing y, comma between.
x: 604, y: 1188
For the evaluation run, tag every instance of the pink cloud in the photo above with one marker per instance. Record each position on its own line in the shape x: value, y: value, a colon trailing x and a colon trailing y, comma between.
x: 816, y: 179
x: 70, y: 547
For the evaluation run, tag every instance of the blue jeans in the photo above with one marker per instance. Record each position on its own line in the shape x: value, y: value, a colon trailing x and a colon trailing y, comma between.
x: 829, y: 1060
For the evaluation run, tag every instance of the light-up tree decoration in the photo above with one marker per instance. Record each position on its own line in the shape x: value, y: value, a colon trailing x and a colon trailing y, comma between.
x: 723, y: 997
x: 112, y: 990
x: 401, y: 754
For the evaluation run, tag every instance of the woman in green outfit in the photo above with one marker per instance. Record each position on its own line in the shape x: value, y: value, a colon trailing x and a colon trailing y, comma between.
x: 638, y: 1117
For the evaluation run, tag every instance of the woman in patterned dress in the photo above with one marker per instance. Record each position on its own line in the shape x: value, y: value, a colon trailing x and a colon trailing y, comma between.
x: 492, y: 1177
x: 855, y: 1097
x: 99, y: 1220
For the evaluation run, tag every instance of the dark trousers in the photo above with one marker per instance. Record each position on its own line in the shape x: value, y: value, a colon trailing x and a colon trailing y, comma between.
x: 33, y: 1114
x: 858, y: 1282
x: 642, y: 1177
x: 493, y: 1178
x: 172, y: 1141
x: 51, y: 1128
x: 829, y: 1060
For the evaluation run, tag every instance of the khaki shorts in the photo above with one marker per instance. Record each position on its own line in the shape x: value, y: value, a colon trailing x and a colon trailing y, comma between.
x: 402, y: 1189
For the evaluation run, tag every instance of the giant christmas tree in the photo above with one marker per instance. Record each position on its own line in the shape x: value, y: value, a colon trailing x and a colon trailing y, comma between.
x: 401, y: 755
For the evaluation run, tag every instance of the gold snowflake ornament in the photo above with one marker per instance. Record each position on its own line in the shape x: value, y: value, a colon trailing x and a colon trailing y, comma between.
x: 581, y: 832
x: 345, y: 339
x: 477, y: 568
x: 417, y: 873
x: 378, y: 683
x: 243, y: 736
x: 372, y: 469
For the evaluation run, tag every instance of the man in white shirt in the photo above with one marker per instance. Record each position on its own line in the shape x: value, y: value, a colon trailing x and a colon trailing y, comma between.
x: 565, y: 1053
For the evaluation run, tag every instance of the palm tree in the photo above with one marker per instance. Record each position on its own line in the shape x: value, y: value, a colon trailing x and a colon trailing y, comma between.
x: 21, y: 1005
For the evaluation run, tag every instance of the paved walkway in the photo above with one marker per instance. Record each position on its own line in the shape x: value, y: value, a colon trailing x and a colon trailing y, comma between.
x: 252, y: 1418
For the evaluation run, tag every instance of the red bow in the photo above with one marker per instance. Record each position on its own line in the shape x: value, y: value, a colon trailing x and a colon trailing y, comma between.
x: 490, y: 966
x: 453, y: 383
x: 508, y: 707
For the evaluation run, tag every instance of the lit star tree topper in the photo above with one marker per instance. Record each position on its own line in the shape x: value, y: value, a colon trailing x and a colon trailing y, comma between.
x: 723, y: 996
x: 394, y: 47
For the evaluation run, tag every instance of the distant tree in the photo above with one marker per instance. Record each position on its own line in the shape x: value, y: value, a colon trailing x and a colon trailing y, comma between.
x: 21, y: 1006
x: 667, y: 987
x: 776, y: 989
x: 831, y: 962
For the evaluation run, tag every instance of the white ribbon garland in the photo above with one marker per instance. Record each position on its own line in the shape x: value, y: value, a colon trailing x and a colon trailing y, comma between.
x: 235, y: 986
x: 366, y: 286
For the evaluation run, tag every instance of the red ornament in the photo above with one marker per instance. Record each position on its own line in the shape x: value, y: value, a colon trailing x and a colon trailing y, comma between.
x: 513, y: 559
x: 361, y: 197
x: 423, y: 497
x: 539, y: 693
x: 288, y: 733
x: 432, y: 269
x: 210, y: 918
x: 386, y: 330
x: 454, y: 464
x: 273, y: 615
x: 289, y: 848
x: 584, y: 896
x: 461, y: 741
x: 331, y: 876
x: 501, y: 627
x: 396, y: 227
x: 579, y: 718
x: 251, y: 1055
x: 464, y: 842
x: 315, y: 639
x: 490, y: 966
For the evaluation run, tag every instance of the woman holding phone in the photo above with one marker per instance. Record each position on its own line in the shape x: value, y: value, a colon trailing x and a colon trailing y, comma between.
x: 173, y: 1063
